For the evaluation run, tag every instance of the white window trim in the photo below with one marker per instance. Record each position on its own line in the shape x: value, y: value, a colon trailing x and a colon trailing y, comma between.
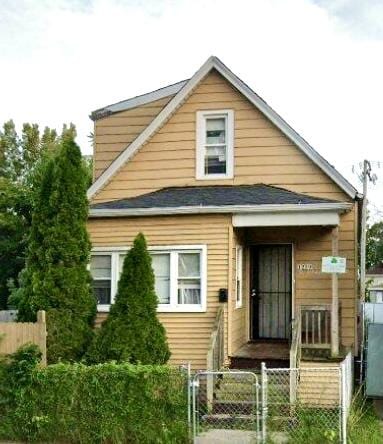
x: 200, y: 144
x: 116, y: 251
x: 239, y: 276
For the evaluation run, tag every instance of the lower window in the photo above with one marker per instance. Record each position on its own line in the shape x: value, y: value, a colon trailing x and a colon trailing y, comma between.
x: 179, y: 273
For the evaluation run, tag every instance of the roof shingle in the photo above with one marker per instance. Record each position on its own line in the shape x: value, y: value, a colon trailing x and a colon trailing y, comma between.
x: 206, y: 196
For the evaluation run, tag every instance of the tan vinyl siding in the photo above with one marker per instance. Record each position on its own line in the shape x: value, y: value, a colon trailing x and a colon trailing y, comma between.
x: 115, y: 132
x: 310, y: 244
x: 188, y: 333
x: 239, y: 325
x: 263, y: 154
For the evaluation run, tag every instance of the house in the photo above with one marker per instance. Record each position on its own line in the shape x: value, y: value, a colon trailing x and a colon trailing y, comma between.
x: 374, y: 279
x: 238, y: 211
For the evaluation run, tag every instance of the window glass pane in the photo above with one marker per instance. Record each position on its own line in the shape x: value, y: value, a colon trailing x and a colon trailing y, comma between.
x: 188, y: 264
x: 100, y: 266
x: 215, y: 160
x: 161, y: 268
x: 102, y: 291
x: 215, y: 130
x: 189, y: 291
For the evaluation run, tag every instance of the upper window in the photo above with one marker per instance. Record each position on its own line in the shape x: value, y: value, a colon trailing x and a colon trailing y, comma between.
x: 215, y: 144
x: 180, y: 281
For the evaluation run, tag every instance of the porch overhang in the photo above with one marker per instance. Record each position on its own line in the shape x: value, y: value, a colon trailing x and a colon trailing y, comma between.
x: 292, y: 215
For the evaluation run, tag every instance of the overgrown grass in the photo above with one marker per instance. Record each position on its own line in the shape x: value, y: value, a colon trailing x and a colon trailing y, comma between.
x: 363, y: 424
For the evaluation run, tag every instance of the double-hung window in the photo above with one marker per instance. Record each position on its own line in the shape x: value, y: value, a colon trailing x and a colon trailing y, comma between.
x: 101, y: 271
x: 179, y: 272
x: 180, y: 278
x: 215, y: 139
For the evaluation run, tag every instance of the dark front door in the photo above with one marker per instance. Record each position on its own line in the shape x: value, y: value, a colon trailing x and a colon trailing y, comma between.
x: 271, y: 291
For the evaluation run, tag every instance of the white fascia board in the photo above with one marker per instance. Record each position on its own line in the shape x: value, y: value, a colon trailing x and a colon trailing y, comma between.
x: 171, y: 107
x: 145, y: 98
x: 268, y: 209
x: 286, y: 129
x: 303, y: 218
x: 157, y: 122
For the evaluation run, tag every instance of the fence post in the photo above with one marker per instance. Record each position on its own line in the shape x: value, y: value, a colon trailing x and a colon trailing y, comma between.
x: 264, y: 401
x: 343, y: 402
x: 42, y: 326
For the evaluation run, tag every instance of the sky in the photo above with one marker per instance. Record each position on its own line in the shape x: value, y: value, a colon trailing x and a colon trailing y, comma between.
x: 318, y: 63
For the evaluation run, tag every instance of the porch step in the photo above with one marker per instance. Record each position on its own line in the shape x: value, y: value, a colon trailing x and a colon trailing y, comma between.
x: 227, y: 420
x: 234, y: 407
x: 255, y: 364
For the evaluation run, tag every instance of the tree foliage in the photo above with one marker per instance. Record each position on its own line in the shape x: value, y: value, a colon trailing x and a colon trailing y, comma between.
x: 56, y: 278
x: 20, y: 158
x: 132, y: 331
x: 374, y: 245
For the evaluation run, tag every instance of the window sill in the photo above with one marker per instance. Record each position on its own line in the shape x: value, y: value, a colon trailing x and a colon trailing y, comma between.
x: 163, y: 309
x: 238, y: 306
x: 215, y: 177
x: 181, y: 309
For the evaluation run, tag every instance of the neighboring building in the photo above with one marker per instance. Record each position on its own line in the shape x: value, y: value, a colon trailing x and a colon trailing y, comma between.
x: 374, y: 279
x: 238, y: 211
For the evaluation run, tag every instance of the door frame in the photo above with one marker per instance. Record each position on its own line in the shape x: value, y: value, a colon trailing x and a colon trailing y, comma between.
x: 251, y: 248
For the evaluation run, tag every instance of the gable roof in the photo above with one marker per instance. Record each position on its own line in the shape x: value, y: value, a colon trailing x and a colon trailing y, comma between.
x: 143, y: 99
x: 258, y: 102
x: 215, y: 198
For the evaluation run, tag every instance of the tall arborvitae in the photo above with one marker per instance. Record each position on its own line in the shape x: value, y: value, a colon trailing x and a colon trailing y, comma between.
x: 132, y: 331
x: 56, y: 278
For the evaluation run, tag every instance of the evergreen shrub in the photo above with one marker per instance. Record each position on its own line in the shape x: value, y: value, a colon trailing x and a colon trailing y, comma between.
x: 132, y: 331
x: 56, y: 277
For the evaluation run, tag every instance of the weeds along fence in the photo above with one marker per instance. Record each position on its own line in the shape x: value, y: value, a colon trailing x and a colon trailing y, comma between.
x: 15, y: 334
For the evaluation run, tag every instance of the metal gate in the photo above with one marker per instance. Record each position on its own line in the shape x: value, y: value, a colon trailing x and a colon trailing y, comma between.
x: 279, y: 405
x: 225, y: 405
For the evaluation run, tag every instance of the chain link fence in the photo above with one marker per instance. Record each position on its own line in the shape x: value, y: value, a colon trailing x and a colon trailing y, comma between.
x: 312, y: 412
x: 305, y: 405
x: 226, y: 404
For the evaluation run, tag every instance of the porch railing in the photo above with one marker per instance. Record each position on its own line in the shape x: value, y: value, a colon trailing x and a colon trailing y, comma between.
x: 216, y: 352
x: 295, y: 357
x: 315, y: 326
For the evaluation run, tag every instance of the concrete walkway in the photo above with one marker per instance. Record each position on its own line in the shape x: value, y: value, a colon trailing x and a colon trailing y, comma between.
x: 218, y: 436
x: 223, y: 436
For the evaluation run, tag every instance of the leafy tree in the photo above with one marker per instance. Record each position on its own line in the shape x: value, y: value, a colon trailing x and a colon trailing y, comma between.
x: 132, y: 331
x: 374, y: 245
x: 56, y: 278
x: 20, y: 157
x: 21, y: 163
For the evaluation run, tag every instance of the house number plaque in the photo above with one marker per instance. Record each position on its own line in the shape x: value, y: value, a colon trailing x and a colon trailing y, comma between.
x: 307, y: 268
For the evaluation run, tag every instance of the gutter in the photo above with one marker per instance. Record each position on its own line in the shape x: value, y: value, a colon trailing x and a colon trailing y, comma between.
x: 340, y: 207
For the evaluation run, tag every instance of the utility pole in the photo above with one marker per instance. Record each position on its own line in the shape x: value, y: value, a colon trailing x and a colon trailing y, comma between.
x: 366, y: 174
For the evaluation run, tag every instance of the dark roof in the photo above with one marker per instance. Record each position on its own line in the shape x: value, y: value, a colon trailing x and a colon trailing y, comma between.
x: 206, y: 196
x: 377, y: 269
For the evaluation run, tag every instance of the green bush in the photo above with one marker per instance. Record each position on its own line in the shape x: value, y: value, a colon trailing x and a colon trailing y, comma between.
x: 132, y: 332
x: 104, y: 403
x: 56, y: 278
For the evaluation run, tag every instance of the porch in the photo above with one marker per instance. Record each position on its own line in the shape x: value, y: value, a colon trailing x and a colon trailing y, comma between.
x: 281, y: 307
